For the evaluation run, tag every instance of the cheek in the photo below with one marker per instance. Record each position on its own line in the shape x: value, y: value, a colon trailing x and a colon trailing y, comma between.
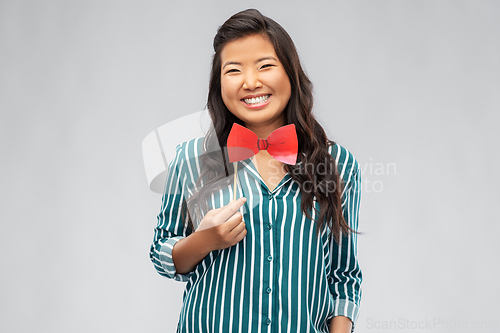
x: 281, y: 82
x: 284, y: 84
x: 223, y: 91
x: 226, y: 89
x: 227, y: 96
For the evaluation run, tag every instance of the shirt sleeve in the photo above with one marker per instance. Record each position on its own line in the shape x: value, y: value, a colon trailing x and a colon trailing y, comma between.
x: 346, y: 277
x: 170, y: 227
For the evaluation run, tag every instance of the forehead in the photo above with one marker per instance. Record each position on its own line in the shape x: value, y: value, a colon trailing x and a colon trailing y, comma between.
x: 247, y: 48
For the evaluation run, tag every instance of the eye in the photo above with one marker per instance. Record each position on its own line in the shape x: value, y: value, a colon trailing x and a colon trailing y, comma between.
x: 234, y: 70
x: 267, y: 65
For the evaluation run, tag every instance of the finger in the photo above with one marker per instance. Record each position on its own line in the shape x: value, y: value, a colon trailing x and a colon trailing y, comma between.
x: 213, y: 212
x: 238, y: 231
x: 230, y: 223
x: 229, y: 210
x: 238, y: 213
x: 233, y: 221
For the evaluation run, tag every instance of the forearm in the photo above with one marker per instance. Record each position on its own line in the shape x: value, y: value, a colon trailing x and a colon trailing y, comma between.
x: 340, y: 324
x: 189, y: 251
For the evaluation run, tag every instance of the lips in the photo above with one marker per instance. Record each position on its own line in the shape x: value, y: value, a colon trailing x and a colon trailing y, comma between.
x: 256, y: 100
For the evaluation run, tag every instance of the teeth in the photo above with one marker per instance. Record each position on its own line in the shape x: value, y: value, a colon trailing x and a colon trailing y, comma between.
x: 260, y: 99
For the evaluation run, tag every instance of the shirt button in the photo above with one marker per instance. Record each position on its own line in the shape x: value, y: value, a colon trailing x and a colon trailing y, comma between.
x: 268, y: 321
x: 269, y: 226
x: 269, y: 258
x: 268, y: 290
x: 270, y: 196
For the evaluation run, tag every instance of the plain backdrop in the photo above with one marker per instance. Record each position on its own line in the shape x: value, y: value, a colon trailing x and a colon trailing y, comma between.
x: 411, y: 88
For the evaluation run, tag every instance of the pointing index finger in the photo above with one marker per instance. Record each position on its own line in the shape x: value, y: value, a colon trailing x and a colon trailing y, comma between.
x: 230, y: 209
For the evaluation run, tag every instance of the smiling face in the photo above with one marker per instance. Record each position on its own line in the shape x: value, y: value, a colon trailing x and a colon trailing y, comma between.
x: 254, y: 84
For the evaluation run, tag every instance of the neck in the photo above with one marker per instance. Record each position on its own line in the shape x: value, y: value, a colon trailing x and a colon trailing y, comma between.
x: 263, y: 131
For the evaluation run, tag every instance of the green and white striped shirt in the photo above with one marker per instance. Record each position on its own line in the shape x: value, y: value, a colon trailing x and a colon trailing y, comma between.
x: 280, y: 277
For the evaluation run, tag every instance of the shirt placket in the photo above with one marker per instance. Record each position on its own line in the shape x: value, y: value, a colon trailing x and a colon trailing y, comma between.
x: 270, y: 252
x: 270, y: 260
x: 272, y: 235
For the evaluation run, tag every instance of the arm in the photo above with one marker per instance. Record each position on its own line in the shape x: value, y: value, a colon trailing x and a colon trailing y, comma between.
x: 189, y: 251
x: 177, y: 250
x: 170, y: 228
x: 219, y: 229
x: 340, y: 324
x: 346, y: 276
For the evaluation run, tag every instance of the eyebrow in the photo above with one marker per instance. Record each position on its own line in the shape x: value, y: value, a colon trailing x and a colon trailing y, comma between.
x: 239, y: 63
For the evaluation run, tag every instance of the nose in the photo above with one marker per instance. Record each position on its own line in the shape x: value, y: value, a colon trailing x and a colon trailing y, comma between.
x: 251, y: 81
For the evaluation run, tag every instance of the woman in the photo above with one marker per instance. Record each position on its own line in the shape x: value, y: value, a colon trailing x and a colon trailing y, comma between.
x: 283, y: 256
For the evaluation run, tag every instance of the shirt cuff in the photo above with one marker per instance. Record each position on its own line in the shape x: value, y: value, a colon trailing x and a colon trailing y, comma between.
x: 346, y: 308
x: 168, y: 263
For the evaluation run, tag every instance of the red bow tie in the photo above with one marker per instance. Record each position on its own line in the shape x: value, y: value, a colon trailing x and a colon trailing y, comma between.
x: 281, y: 144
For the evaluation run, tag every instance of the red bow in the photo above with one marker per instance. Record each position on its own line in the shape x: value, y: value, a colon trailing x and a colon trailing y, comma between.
x: 281, y: 144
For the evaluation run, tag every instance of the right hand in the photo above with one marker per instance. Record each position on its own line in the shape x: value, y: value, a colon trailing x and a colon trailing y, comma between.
x: 224, y: 226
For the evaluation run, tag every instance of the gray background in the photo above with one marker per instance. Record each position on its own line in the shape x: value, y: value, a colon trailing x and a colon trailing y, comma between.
x: 411, y: 88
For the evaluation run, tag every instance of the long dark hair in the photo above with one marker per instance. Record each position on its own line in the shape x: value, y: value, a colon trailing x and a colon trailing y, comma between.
x: 313, y: 142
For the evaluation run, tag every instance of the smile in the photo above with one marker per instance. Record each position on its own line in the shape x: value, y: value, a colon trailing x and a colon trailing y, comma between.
x: 256, y: 100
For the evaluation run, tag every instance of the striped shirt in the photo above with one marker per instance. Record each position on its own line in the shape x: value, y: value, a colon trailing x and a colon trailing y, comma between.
x: 280, y: 277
